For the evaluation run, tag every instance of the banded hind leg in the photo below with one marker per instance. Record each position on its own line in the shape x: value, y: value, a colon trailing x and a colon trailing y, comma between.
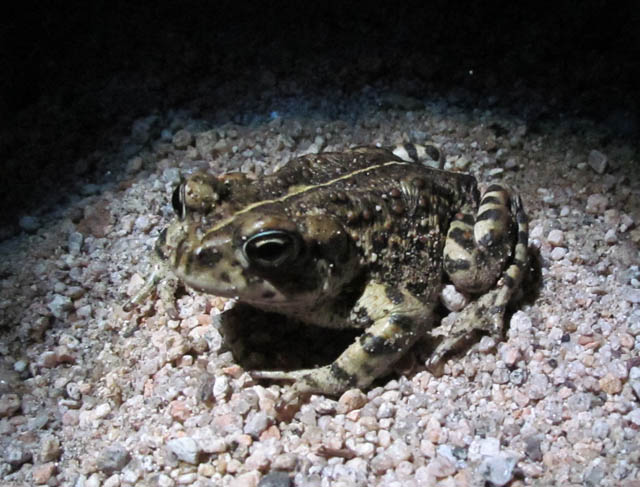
x: 485, y: 255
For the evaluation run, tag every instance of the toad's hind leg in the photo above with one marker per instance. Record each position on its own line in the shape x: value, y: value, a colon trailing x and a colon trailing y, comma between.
x: 479, y: 251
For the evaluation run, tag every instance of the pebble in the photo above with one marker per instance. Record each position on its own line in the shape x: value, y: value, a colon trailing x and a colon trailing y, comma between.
x: 510, y: 355
x: 538, y: 386
x: 221, y: 388
x: 352, y: 399
x: 16, y: 454
x: 249, y: 479
x: 600, y: 429
x: 634, y: 417
x: 41, y: 474
x: 74, y: 242
x: 49, y: 448
x: 182, y: 139
x: 256, y: 424
x: 60, y: 305
x: 143, y: 223
x: 555, y: 238
x: 498, y: 470
x: 113, y: 459
x: 597, y: 161
x: 205, y: 143
x: 611, y: 237
x: 29, y: 223
x: 9, y: 405
x: 452, y: 299
x: 276, y: 479
x: 441, y: 467
x: 185, y: 449
x: 596, y: 204
x: 134, y: 165
x: 610, y: 384
x: 532, y: 447
x: 558, y: 253
x: 593, y: 476
x: 520, y: 322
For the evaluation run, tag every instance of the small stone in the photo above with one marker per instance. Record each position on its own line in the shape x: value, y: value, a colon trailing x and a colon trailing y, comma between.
x: 597, y: 161
x: 600, y: 429
x: 205, y: 143
x: 182, y: 139
x: 580, y: 402
x: 558, y: 253
x: 41, y: 474
x: 532, y: 447
x: 610, y: 237
x: 16, y: 455
x: 185, y: 449
x: 101, y: 410
x: 74, y: 242
x: 249, y: 479
x: 596, y: 204
x: 510, y: 355
x: 487, y: 344
x: 256, y: 424
x: 143, y: 223
x: 113, y: 459
x: 212, y: 444
x: 29, y: 223
x: 49, y: 448
x: 221, y: 388
x: 520, y: 322
x: 179, y: 410
x: 284, y: 461
x: 60, y: 305
x: 352, y: 399
x: 9, y: 405
x: 398, y: 452
x: 498, y: 470
x: 610, y: 384
x: 634, y: 417
x: 452, y: 299
x: 276, y: 479
x: 555, y: 238
x: 441, y: 467
x: 631, y: 295
x: 539, y: 386
x: 134, y: 165
x: 593, y: 476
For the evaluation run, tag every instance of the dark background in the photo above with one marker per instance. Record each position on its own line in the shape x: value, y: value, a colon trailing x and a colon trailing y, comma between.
x: 75, y: 75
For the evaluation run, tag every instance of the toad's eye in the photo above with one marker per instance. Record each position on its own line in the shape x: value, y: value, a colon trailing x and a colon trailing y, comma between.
x: 177, y: 201
x: 272, y: 248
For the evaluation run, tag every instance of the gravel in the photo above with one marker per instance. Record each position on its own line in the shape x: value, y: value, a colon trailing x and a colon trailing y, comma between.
x: 92, y: 395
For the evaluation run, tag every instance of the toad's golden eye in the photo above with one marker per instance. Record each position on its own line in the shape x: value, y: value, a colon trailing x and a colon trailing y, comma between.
x: 272, y: 248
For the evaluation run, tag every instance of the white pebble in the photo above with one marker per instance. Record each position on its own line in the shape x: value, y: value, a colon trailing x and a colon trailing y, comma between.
x: 556, y: 238
x: 558, y: 253
x: 185, y: 449
x: 452, y: 299
x: 498, y: 470
x: 610, y: 237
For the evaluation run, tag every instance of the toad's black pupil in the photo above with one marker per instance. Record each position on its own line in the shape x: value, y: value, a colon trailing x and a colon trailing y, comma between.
x: 269, y: 250
x: 176, y: 201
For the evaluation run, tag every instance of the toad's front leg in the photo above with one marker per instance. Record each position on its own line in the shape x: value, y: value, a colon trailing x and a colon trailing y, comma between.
x: 397, y: 320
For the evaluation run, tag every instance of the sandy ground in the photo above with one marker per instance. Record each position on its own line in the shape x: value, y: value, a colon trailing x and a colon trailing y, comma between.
x: 93, y: 396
